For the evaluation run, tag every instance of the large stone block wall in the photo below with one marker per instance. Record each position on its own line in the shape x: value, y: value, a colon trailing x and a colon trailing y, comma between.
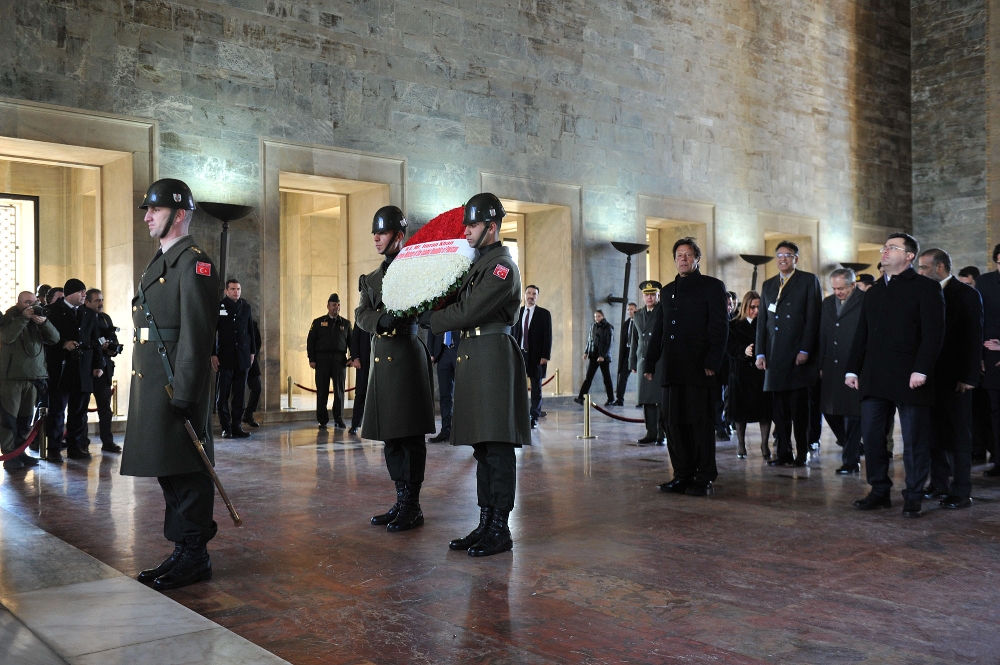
x: 765, y: 105
x: 949, y: 128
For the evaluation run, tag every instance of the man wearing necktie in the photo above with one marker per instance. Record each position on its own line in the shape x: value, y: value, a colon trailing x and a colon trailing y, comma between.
x: 534, y: 335
x: 444, y: 350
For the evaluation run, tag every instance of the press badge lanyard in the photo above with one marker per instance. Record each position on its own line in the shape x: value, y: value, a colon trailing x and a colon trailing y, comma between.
x: 773, y: 307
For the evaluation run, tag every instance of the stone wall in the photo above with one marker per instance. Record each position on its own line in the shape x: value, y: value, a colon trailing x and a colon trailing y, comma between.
x: 774, y: 105
x: 949, y: 128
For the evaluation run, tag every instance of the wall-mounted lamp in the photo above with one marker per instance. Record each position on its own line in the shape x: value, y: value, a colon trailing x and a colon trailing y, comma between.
x: 755, y: 260
x: 225, y: 212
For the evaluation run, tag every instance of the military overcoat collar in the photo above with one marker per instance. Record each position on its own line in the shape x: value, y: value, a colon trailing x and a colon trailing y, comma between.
x: 159, y: 266
x: 488, y: 256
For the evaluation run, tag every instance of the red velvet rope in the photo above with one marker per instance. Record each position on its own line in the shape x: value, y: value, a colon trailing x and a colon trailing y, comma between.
x: 616, y: 416
x: 312, y: 390
x: 27, y: 442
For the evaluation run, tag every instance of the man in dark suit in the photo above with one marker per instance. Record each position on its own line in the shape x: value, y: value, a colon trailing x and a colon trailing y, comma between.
x: 107, y: 335
x: 361, y: 358
x: 690, y: 334
x: 624, y: 366
x: 787, y: 336
x: 233, y: 356
x: 444, y: 355
x: 988, y: 285
x: 73, y: 364
x: 892, y: 363
x: 533, y: 334
x: 838, y: 403
x: 955, y: 376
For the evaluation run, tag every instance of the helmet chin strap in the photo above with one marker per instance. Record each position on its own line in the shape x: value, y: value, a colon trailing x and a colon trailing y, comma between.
x: 170, y: 222
x: 388, y: 248
x: 482, y: 235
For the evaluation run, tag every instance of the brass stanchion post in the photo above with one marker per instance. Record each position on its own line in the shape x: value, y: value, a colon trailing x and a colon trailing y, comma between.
x: 290, y: 407
x: 114, y: 397
x: 586, y: 419
x: 558, y: 389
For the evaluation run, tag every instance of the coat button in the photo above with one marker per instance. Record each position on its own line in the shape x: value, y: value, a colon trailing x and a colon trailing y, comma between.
x: 835, y: 344
x: 134, y: 308
x: 673, y: 322
x: 466, y: 357
x: 837, y: 324
x: 133, y: 372
x: 162, y: 280
x: 142, y: 341
x: 389, y: 358
x: 835, y: 361
x: 460, y: 359
x: 140, y: 375
x: 671, y: 337
x: 376, y: 360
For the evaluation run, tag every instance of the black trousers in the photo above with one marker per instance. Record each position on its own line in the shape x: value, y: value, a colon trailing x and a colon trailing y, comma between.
x: 67, y: 412
x: 917, y: 435
x: 847, y: 429
x: 190, y: 498
x: 496, y: 475
x: 621, y: 387
x: 995, y: 422
x: 688, y: 414
x: 256, y: 388
x: 605, y: 373
x: 405, y: 458
x: 329, y: 368
x: 446, y: 365
x: 982, y: 428
x: 102, y: 395
x: 951, y: 449
x: 791, y: 411
x: 815, y: 430
x: 654, y: 423
x: 230, y: 396
x: 360, y: 393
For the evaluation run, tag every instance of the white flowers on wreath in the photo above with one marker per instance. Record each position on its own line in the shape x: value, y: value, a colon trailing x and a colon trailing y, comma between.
x: 423, y: 275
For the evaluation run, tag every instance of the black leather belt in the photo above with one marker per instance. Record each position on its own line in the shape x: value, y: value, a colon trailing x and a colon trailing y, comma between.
x: 487, y: 329
x: 141, y: 335
x: 401, y: 330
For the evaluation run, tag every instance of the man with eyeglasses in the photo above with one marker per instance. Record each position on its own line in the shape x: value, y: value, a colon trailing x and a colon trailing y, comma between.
x: 988, y: 285
x: 892, y: 364
x: 787, y: 336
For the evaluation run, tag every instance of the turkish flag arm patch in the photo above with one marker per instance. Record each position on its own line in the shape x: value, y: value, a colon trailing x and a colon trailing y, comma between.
x: 501, y: 271
x: 203, y: 268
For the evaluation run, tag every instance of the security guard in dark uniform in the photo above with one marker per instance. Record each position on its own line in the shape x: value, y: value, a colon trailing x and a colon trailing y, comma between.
x: 104, y: 384
x: 399, y: 407
x: 491, y: 395
x: 649, y: 393
x: 235, y: 350
x: 178, y: 295
x: 327, y: 346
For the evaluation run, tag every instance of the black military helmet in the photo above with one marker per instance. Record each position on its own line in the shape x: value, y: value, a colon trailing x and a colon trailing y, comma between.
x: 483, y: 208
x: 389, y: 219
x: 168, y: 193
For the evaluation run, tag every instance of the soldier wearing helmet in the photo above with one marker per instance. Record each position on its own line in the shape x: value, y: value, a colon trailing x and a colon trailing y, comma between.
x: 179, y: 287
x: 490, y: 365
x: 399, y: 408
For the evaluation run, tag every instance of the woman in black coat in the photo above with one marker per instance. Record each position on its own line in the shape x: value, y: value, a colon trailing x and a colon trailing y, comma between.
x: 748, y: 403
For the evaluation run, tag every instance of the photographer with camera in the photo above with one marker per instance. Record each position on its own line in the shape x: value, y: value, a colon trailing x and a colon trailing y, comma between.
x: 108, y: 337
x: 24, y: 332
x: 73, y: 365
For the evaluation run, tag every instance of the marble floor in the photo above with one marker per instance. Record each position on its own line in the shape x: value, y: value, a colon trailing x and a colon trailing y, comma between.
x: 776, y: 567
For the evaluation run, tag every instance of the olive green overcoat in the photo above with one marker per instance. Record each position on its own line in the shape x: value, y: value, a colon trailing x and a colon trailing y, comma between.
x: 185, y: 300
x: 491, y: 394
x: 648, y: 392
x: 400, y: 399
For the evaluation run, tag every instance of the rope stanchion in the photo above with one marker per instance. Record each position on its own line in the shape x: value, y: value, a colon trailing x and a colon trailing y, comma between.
x: 617, y: 417
x: 586, y: 419
x: 312, y: 390
x: 27, y: 442
x: 548, y: 380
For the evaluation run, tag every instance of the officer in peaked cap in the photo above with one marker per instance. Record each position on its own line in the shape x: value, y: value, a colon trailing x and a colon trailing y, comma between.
x: 399, y: 407
x: 180, y: 278
x: 649, y: 392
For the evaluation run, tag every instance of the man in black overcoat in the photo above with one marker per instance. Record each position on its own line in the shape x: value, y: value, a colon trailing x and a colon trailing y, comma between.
x: 955, y: 377
x: 73, y: 364
x: 988, y: 285
x: 787, y: 335
x: 624, y: 364
x: 838, y: 403
x: 234, y: 354
x: 536, y: 346
x: 892, y: 364
x: 691, y: 334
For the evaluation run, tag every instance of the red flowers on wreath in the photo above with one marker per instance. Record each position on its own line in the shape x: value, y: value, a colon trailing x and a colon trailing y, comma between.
x: 446, y: 226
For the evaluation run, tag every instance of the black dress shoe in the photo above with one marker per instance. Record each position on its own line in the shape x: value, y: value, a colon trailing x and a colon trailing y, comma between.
x: 955, y: 502
x: 497, y: 538
x: 849, y: 468
x: 534, y: 424
x: 27, y: 460
x: 13, y: 464
x: 485, y: 517
x: 873, y: 502
x: 226, y: 434
x: 353, y: 430
x: 702, y: 488
x: 661, y: 442
x: 610, y: 402
x: 339, y: 424
x: 781, y: 462
x: 194, y: 565
x: 798, y: 461
x: 542, y: 414
x: 911, y: 508
x: 147, y: 576
x: 445, y: 435
x: 250, y: 421
x: 619, y: 402
x: 675, y: 486
x: 322, y: 425
x: 993, y: 472
x: 111, y: 448
x: 578, y: 400
x: 78, y: 453
x: 54, y: 456
x: 931, y: 493
x: 240, y: 433
x: 646, y: 440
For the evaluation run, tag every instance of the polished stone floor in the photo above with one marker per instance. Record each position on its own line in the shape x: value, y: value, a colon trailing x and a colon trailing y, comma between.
x: 776, y: 567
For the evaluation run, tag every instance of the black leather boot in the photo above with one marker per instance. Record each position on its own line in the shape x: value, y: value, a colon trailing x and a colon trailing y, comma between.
x: 147, y: 576
x: 497, y: 538
x: 390, y: 515
x: 194, y: 565
x: 410, y: 516
x: 485, y: 517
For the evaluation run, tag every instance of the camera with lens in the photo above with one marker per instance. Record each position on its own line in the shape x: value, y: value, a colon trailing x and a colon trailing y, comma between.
x: 77, y: 353
x: 38, y: 310
x: 114, y: 348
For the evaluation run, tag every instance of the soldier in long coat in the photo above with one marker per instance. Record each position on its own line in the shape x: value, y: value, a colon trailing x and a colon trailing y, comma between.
x: 181, y: 288
x: 399, y: 406
x: 491, y: 397
x: 649, y: 391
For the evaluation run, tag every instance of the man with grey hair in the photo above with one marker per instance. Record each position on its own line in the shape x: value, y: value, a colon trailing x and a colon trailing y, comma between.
x: 956, y: 375
x: 838, y: 403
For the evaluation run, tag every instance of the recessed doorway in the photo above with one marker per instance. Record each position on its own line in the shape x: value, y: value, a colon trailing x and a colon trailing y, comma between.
x: 18, y: 245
